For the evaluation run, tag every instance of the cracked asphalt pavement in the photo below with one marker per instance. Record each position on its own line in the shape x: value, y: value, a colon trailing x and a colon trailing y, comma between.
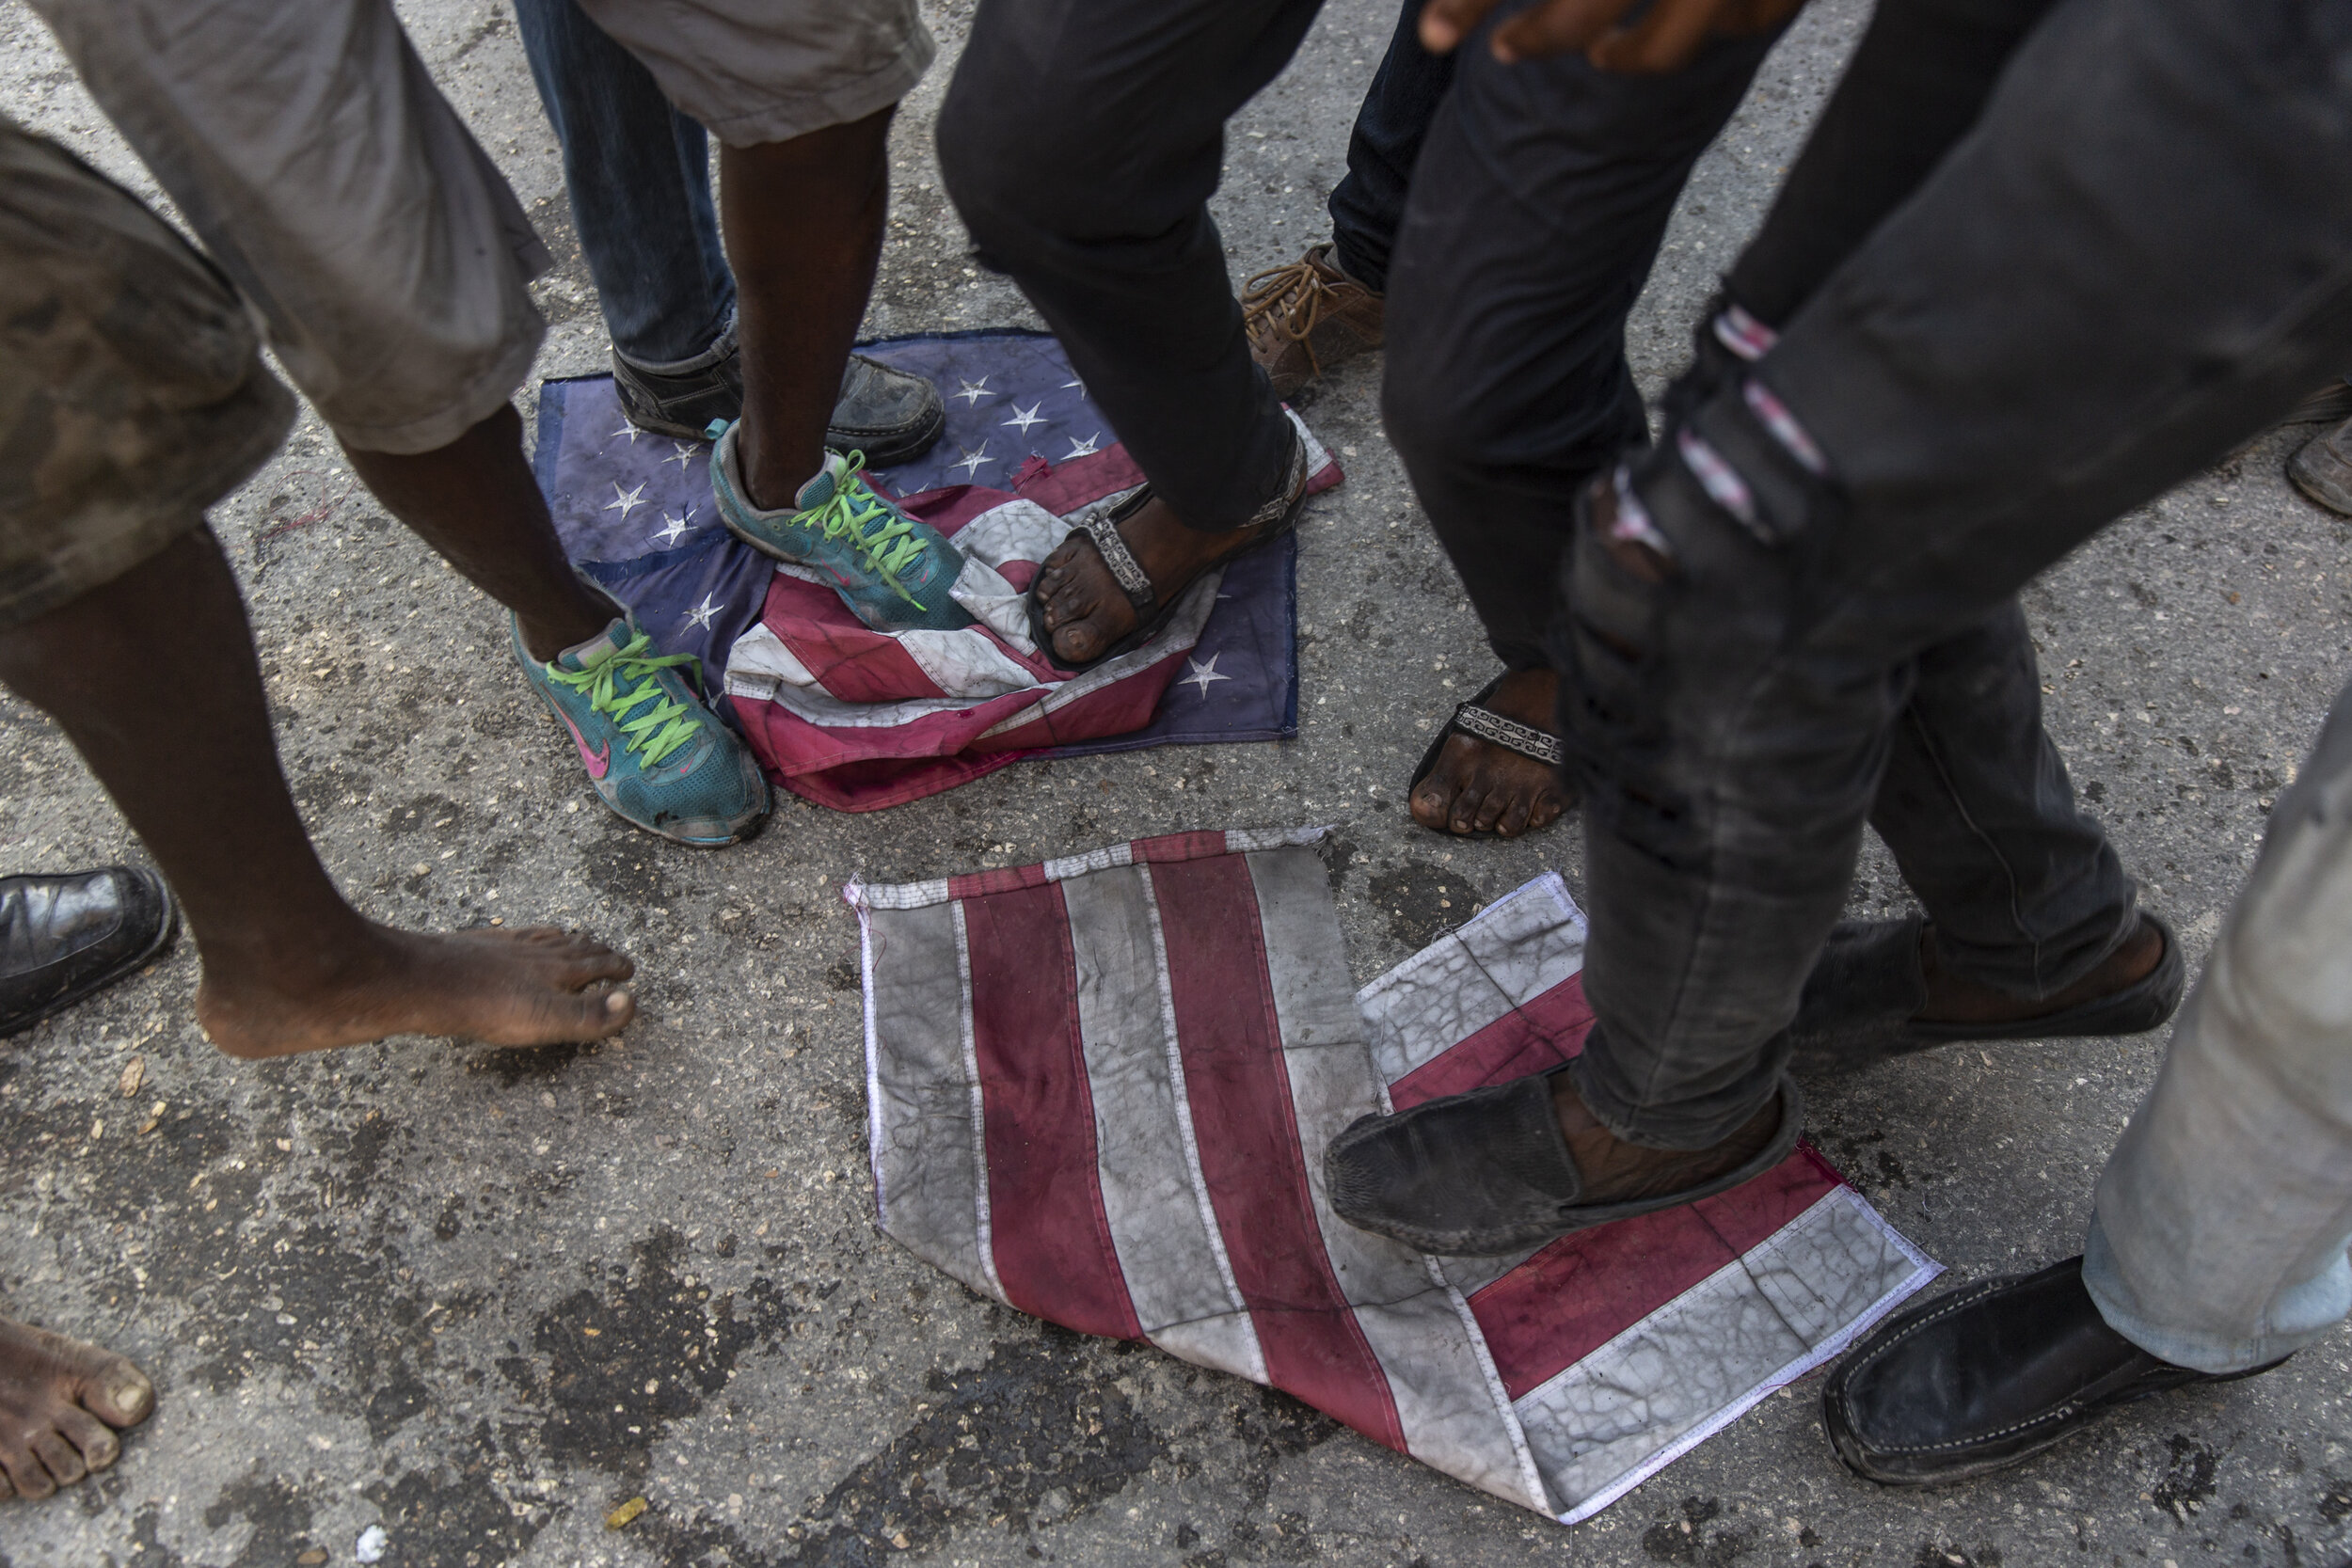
x: 477, y: 1299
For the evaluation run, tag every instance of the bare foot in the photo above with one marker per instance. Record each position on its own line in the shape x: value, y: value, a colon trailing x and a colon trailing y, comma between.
x: 1479, y: 788
x: 536, y: 985
x: 60, y: 1400
x: 1953, y: 998
x: 1085, y: 610
x: 1616, y: 1171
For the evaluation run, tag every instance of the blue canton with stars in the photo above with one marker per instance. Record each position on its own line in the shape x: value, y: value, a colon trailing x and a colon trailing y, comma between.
x: 635, y: 515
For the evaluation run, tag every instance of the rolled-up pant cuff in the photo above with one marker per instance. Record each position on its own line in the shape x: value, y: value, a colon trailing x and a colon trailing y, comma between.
x: 2305, y: 1314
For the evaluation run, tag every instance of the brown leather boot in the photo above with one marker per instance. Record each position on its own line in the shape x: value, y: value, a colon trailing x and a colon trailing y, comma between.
x: 1307, y: 317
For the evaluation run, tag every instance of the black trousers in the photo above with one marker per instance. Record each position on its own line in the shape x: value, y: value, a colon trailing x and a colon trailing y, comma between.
x: 1081, y: 140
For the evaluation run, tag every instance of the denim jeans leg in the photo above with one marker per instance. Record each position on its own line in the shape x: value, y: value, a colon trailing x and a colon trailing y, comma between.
x: 1368, y: 205
x: 639, y: 177
x: 1967, y: 398
x: 2224, y: 1215
x: 2024, y: 890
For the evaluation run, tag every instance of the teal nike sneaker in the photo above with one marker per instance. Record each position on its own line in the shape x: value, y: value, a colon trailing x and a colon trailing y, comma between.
x: 893, y: 572
x: 661, y: 759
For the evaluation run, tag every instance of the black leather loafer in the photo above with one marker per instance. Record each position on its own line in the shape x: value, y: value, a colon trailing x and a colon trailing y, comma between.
x: 1980, y: 1378
x: 1488, y: 1172
x: 62, y: 938
x: 1862, y: 1000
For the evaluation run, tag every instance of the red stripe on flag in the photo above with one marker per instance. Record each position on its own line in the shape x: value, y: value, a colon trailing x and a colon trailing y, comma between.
x: 1001, y: 878
x: 855, y: 665
x: 1053, y: 1243
x: 1534, y: 1037
x: 1239, y: 1089
x: 1590, y: 1286
x: 1169, y: 848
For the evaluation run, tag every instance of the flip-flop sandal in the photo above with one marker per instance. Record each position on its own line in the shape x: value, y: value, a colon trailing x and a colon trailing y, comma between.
x: 1151, y: 613
x: 1475, y: 718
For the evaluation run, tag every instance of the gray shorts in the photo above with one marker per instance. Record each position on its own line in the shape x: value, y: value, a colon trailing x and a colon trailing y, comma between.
x: 131, y: 389
x: 763, y: 71
x: 308, y: 147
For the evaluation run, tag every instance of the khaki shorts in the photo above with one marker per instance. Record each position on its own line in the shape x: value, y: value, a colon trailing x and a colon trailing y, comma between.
x: 308, y: 147
x: 763, y: 71
x: 131, y: 389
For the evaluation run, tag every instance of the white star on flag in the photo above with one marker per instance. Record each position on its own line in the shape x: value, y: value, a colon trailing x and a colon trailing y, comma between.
x: 1080, y: 384
x: 702, y: 613
x: 1024, y: 418
x: 685, y: 453
x: 1202, y: 674
x: 973, y: 461
x: 1082, y: 448
x: 628, y: 430
x: 625, y: 501
x: 672, y: 528
x: 972, y: 391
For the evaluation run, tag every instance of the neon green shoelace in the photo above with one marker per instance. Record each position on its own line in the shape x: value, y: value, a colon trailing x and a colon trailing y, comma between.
x: 658, y: 731
x: 885, y: 550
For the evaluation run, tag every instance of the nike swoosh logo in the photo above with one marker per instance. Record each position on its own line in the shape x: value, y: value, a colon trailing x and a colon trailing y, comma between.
x: 597, y: 761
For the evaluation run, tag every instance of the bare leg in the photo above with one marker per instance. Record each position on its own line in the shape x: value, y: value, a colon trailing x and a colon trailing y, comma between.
x: 475, y: 501
x: 61, y: 1402
x: 185, y: 749
x: 804, y: 225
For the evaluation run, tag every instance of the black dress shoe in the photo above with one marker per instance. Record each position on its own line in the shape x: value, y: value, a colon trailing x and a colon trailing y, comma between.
x: 1487, y: 1173
x: 1980, y: 1378
x: 62, y: 938
x: 1861, y: 1002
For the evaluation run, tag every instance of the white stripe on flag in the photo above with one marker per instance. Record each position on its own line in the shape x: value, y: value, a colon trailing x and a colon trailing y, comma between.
x: 978, y: 1124
x: 964, y: 663
x: 919, y: 1085
x: 1179, y: 1279
x: 761, y: 663
x: 1612, y: 1419
x: 1448, y: 1401
x: 1519, y: 946
x: 1017, y: 530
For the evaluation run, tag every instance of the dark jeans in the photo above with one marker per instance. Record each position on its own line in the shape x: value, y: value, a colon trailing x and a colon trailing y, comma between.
x: 2139, y: 256
x: 1368, y: 206
x: 639, y: 175
x: 1508, y: 390
x: 1081, y: 143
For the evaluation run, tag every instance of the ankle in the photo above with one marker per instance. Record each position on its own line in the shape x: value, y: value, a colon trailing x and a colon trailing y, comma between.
x: 773, y: 476
x: 308, y: 960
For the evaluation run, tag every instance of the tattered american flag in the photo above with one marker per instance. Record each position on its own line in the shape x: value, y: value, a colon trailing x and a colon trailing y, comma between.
x: 858, y: 720
x: 1100, y: 1089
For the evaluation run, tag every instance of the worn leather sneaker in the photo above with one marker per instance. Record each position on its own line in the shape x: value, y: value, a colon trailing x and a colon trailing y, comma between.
x: 2322, y: 469
x: 1491, y: 1172
x: 1862, y: 1000
x: 1980, y: 1378
x: 1309, y: 317
x: 892, y: 416
x: 63, y: 938
x: 893, y: 572
x: 659, y: 758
